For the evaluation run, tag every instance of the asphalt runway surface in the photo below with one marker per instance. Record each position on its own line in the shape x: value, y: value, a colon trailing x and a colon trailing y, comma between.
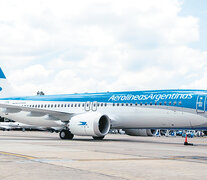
x: 42, y: 156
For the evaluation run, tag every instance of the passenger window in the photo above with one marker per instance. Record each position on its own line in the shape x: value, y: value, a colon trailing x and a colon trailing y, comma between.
x: 45, y: 105
x: 155, y: 103
x: 113, y: 104
x: 68, y: 105
x: 51, y: 105
x: 150, y: 103
x: 180, y: 103
x: 105, y: 104
x: 65, y: 105
x: 175, y: 103
x: 140, y: 104
x: 72, y: 105
x: 75, y: 105
x: 127, y: 104
x: 146, y: 104
x: 78, y: 105
x: 131, y: 104
x: 61, y: 105
x: 160, y: 103
x: 83, y: 105
x: 122, y: 104
x: 117, y: 104
x: 48, y: 106
x: 170, y: 103
x: 38, y: 106
x: 165, y: 103
x: 101, y: 104
x: 55, y: 105
x: 42, y: 106
x: 136, y: 104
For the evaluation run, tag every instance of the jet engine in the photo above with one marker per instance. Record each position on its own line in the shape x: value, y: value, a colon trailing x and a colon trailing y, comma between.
x: 90, y: 124
x: 140, y: 132
x: 205, y: 133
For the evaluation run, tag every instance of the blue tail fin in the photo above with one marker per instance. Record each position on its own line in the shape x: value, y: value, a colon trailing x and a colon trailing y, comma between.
x: 5, y: 88
x: 2, y: 76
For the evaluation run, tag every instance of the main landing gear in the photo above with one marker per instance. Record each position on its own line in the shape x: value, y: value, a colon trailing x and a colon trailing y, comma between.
x: 98, y: 138
x: 66, y: 134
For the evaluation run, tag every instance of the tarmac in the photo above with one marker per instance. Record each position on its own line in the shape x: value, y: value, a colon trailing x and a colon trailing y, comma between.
x: 42, y: 156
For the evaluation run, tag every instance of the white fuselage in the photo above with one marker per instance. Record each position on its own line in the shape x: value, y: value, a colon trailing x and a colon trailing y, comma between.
x: 132, y: 116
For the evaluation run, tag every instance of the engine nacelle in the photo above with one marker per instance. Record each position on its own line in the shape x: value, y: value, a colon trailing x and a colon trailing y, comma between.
x: 90, y: 124
x: 140, y: 132
x: 205, y: 133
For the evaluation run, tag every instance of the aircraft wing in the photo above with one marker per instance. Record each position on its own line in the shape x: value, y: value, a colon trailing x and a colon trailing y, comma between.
x: 6, y: 127
x: 34, y: 112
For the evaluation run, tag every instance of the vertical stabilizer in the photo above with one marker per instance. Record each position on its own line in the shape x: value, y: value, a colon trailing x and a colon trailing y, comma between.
x: 2, y: 76
x: 5, y: 88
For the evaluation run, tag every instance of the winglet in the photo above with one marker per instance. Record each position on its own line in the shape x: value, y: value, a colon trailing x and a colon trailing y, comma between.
x: 2, y: 76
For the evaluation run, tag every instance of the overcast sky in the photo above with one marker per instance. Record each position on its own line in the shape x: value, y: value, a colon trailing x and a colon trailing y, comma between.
x: 67, y: 46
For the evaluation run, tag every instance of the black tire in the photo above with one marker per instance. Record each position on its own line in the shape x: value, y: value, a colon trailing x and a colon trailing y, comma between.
x: 65, y: 134
x: 98, y: 138
x: 70, y: 135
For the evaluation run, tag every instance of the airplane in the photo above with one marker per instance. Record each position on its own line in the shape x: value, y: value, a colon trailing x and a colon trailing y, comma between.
x: 15, y: 125
x: 93, y: 114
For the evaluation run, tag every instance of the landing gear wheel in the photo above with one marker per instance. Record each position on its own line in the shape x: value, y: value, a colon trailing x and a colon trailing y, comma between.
x: 98, y: 138
x: 70, y: 135
x: 65, y: 134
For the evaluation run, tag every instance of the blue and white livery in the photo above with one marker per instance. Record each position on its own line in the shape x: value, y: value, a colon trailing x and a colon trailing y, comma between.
x: 93, y: 114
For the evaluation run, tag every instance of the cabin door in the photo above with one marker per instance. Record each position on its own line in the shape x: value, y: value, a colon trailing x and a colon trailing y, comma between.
x: 200, y: 104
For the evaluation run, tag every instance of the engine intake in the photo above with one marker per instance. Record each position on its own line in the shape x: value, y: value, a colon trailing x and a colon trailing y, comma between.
x: 90, y: 124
